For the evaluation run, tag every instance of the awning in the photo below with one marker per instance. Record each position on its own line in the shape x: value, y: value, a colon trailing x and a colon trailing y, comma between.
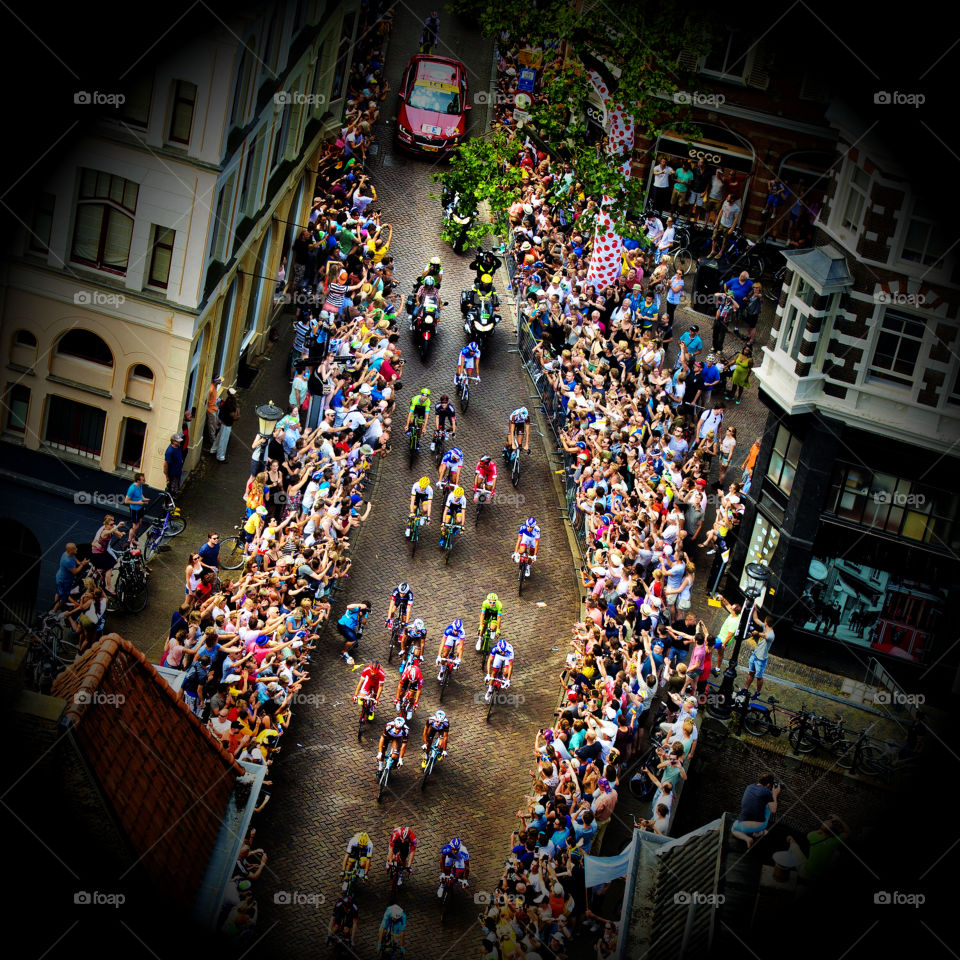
x: 715, y: 152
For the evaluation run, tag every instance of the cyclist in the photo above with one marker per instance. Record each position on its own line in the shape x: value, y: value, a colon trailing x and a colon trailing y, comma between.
x: 450, y: 467
x: 346, y: 916
x: 445, y: 412
x: 451, y: 644
x: 395, y: 733
x: 519, y: 431
x: 454, y: 858
x: 410, y: 680
x: 433, y: 269
x: 436, y: 726
x: 401, y: 602
x: 370, y: 684
x: 485, y: 478
x: 453, y: 509
x: 417, y: 633
x: 392, y: 928
x: 468, y: 363
x: 359, y: 851
x: 348, y: 627
x: 402, y: 847
x: 491, y: 611
x: 421, y: 495
x: 500, y: 659
x: 528, y: 538
x: 419, y: 406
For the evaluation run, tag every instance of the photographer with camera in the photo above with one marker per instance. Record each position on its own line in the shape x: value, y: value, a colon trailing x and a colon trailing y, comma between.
x: 758, y: 805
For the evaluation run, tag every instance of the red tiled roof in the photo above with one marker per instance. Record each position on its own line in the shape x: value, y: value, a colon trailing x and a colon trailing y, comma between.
x: 166, y: 777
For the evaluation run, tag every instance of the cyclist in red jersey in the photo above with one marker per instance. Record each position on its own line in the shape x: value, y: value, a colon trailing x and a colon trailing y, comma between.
x: 485, y: 477
x: 411, y: 679
x: 370, y: 683
x: 403, y: 846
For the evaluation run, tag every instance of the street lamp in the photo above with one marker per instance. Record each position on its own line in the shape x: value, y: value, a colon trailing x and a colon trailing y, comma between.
x: 267, y: 415
x: 757, y: 576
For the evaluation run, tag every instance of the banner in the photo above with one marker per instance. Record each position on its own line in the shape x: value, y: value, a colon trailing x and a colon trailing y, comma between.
x: 601, y: 870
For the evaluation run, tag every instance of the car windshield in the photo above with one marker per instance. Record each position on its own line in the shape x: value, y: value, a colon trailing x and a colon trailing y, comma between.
x: 438, y: 98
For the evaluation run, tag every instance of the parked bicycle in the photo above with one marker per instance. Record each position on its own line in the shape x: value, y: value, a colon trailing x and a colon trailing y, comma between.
x: 233, y: 550
x: 164, y: 528
x: 815, y: 731
x: 48, y: 653
x: 761, y: 719
x: 861, y: 756
x: 130, y: 584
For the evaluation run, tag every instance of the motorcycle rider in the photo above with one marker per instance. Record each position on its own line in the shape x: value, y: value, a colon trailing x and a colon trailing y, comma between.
x: 427, y: 290
x: 433, y: 269
x: 486, y: 261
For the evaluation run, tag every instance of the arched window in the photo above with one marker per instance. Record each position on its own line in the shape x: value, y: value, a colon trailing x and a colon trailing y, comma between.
x: 86, y: 346
x: 139, y: 383
x: 141, y: 371
x: 24, y: 338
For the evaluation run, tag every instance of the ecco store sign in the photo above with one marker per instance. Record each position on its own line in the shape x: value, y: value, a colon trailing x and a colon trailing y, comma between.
x: 596, y: 114
x: 704, y: 155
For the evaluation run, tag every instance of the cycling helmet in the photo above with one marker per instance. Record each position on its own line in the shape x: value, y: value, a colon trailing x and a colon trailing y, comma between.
x: 439, y: 716
x: 364, y: 839
x: 472, y: 346
x: 456, y: 452
x: 458, y: 624
x: 485, y: 459
x: 458, y: 491
x: 418, y: 624
x: 347, y: 898
x: 444, y: 398
x: 423, y: 483
x: 500, y: 647
x: 425, y: 392
x: 374, y: 664
x: 455, y: 843
x: 486, y: 278
x: 405, y: 833
x: 428, y: 281
x: 435, y: 261
x: 524, y: 412
x: 531, y: 522
x: 396, y: 723
x: 395, y: 911
x: 403, y: 587
x: 492, y: 597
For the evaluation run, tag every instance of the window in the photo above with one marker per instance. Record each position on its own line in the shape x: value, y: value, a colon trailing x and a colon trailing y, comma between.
x: 74, y: 427
x: 132, y: 434
x: 221, y: 220
x: 280, y: 143
x: 104, y: 221
x: 194, y: 367
x: 141, y: 371
x: 84, y: 345
x: 252, y: 167
x: 226, y: 328
x: 135, y: 110
x: 343, y: 55
x: 18, y: 403
x: 898, y: 348
x: 924, y: 242
x: 181, y: 119
x: 784, y: 460
x: 239, y: 109
x: 42, y: 223
x: 728, y: 54
x: 857, y: 195
x: 24, y: 338
x: 160, y: 256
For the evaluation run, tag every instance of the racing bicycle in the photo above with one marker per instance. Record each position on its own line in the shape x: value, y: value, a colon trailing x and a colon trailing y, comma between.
x: 368, y: 705
x: 448, y: 534
x: 526, y: 560
x: 383, y: 777
x: 396, y: 870
x: 463, y: 390
x: 497, y: 683
x: 164, y: 528
x: 439, y: 446
x: 484, y: 496
x: 416, y: 430
x: 447, y: 666
x: 488, y: 636
x: 416, y: 521
x: 429, y: 761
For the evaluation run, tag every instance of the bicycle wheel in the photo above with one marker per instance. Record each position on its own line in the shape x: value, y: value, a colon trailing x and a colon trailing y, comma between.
x: 439, y: 452
x: 133, y: 593
x: 515, y: 468
x: 771, y: 291
x: 806, y: 744
x: 414, y: 537
x: 844, y: 753
x: 443, y: 904
x: 464, y: 398
x: 151, y: 545
x: 384, y: 778
x: 232, y: 553
x: 520, y: 578
x: 756, y: 722
x: 175, y: 526
x: 684, y: 260
x: 493, y: 697
x: 871, y: 760
x: 426, y: 772
x: 66, y: 651
x: 448, y: 548
x: 444, y: 681
x: 363, y: 720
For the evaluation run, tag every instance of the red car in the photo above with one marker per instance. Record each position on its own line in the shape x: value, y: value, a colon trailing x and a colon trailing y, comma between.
x: 433, y: 105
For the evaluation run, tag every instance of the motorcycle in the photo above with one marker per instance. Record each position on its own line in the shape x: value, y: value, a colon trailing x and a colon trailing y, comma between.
x: 481, y: 321
x: 456, y: 223
x: 425, y: 320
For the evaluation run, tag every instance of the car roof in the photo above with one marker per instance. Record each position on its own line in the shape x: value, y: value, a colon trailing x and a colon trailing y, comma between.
x: 440, y: 70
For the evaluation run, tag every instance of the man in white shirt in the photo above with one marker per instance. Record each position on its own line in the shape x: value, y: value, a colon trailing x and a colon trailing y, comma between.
x: 710, y: 420
x: 665, y: 242
x: 662, y: 173
x: 654, y: 227
x: 727, y: 219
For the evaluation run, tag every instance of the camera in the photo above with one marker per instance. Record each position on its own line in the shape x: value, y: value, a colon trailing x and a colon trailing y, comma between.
x: 780, y: 784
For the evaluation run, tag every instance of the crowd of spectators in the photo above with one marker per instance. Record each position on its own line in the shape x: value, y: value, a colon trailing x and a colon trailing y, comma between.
x: 656, y: 476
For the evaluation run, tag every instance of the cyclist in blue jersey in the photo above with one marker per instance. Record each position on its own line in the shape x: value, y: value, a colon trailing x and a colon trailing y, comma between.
x: 451, y: 644
x: 392, y: 928
x: 436, y: 726
x: 454, y: 859
x: 528, y: 541
x: 468, y: 363
x: 450, y: 467
x: 500, y: 663
x: 415, y: 634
